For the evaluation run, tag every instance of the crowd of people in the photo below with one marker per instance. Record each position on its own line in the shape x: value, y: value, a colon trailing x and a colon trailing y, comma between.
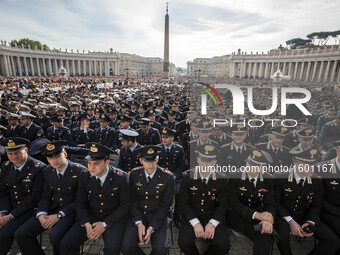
x: 120, y: 158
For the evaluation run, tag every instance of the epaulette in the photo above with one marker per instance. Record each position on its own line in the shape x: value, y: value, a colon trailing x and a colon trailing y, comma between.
x: 221, y: 175
x: 136, y: 168
x: 86, y: 170
x: 285, y: 147
x: 37, y: 164
x: 225, y: 145
x: 260, y: 144
x: 7, y: 163
x: 118, y: 172
x: 166, y: 171
x: 187, y: 172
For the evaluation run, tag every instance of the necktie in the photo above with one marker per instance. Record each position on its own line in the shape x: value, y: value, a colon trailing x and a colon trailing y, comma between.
x: 276, y: 150
x: 129, y: 151
x: 239, y: 150
x: 300, y: 184
x: 25, y: 131
x: 204, y: 181
x: 60, y: 176
x: 167, y: 151
x: 252, y: 180
x: 99, y: 182
x: 17, y: 171
x: 149, y: 179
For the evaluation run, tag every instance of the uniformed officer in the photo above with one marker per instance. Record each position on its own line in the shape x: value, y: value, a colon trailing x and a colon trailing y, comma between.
x: 171, y: 122
x: 13, y: 127
x: 298, y: 196
x: 147, y: 135
x: 124, y: 122
x: 21, y: 187
x: 150, y: 114
x: 128, y: 152
x: 103, y: 201
x: 83, y: 134
x: 152, y: 190
x: 252, y: 202
x: 204, y: 131
x: 56, y: 209
x: 219, y: 136
x: 113, y: 118
x: 106, y: 135
x: 42, y: 119
x: 275, y: 147
x: 134, y: 124
x: 58, y: 131
x: 203, y: 204
x: 141, y: 111
x: 331, y: 132
x: 330, y: 172
x: 235, y: 154
x: 29, y: 130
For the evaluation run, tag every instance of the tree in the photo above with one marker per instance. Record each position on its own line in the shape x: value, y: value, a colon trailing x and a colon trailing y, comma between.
x: 295, y: 42
x: 26, y: 43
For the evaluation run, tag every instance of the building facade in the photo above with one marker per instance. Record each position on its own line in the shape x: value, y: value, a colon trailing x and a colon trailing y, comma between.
x: 321, y: 64
x: 15, y: 61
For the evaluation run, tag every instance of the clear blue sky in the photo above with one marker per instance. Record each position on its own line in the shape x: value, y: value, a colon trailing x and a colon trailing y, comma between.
x: 197, y: 28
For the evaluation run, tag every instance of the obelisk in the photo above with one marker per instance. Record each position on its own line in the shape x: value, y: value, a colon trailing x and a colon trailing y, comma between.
x: 166, y: 63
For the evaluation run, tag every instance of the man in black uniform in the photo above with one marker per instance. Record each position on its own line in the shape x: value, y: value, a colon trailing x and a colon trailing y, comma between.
x: 330, y: 213
x: 56, y: 209
x: 298, y: 196
x: 252, y: 201
x: 127, y: 155
x: 203, y: 205
x: 21, y: 186
x: 83, y: 134
x: 106, y: 135
x: 171, y: 122
x: 275, y: 147
x: 42, y: 120
x: 103, y: 201
x: 152, y: 190
x: 58, y: 131
x: 236, y: 153
x: 29, y: 130
x: 147, y: 135
x: 150, y: 114
x: 13, y: 127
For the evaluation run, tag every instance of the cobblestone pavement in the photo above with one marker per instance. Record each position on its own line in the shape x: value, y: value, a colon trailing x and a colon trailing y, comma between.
x: 239, y: 246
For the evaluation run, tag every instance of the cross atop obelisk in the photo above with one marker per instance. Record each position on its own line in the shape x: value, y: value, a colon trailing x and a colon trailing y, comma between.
x: 166, y: 63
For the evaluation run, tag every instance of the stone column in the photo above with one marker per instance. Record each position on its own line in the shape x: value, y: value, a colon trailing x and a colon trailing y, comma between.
x: 6, y: 66
x: 38, y: 66
x: 271, y: 69
x: 320, y: 71
x: 19, y: 66
x: 295, y: 70
x: 308, y: 71
x: 56, y: 71
x: 290, y: 70
x: 338, y: 79
x: 100, y: 68
x: 116, y: 67
x: 90, y: 68
x: 301, y: 72
x: 32, y: 66
x: 284, y: 68
x: 78, y: 64
x: 25, y: 66
x: 314, y: 71
x: 261, y: 70
x: 106, y: 66
x: 73, y: 68
x: 68, y: 66
x: 326, y: 74
x: 266, y: 70
x: 13, y: 66
x: 95, y: 67
x: 44, y: 66
x: 84, y: 67
x: 255, y: 69
x: 333, y: 71
x: 50, y: 71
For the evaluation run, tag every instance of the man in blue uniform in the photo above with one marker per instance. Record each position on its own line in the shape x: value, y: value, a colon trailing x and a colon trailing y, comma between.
x: 56, y: 209
x: 21, y: 186
x: 103, y: 201
x: 152, y: 190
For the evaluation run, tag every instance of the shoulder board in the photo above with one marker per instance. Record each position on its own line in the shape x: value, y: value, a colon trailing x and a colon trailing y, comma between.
x: 37, y: 164
x: 214, y: 142
x: 259, y: 144
x: 193, y: 141
x: 285, y: 147
x: 166, y: 171
x: 86, y: 170
x: 7, y: 163
x: 225, y: 145
x: 187, y: 172
x: 136, y: 168
x: 221, y: 174
x: 249, y: 145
